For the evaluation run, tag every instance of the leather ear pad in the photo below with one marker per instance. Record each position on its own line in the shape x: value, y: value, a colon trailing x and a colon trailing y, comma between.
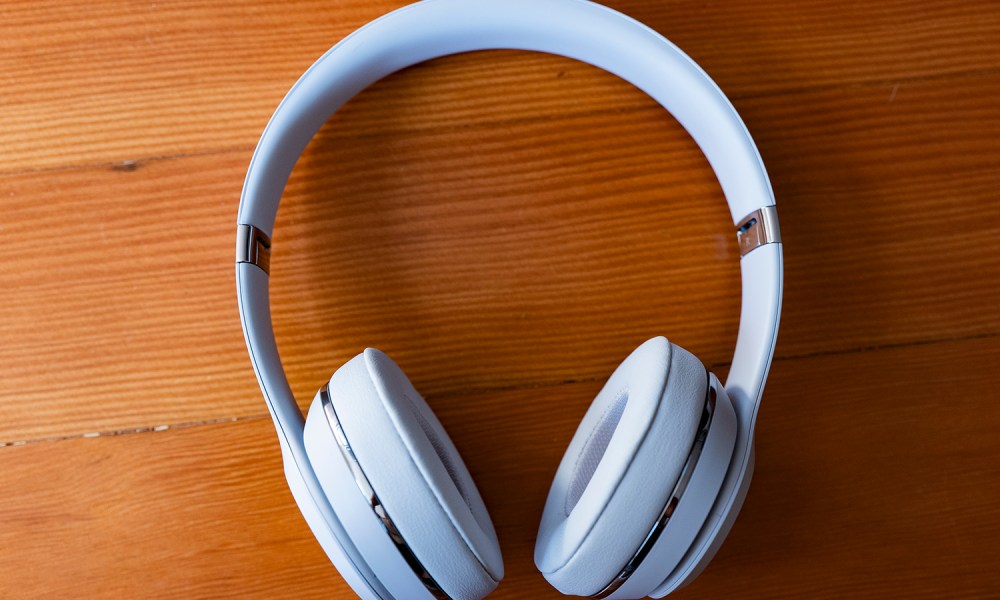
x: 620, y: 467
x: 416, y: 471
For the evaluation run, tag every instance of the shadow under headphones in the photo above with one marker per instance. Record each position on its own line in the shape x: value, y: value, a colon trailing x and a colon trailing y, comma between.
x: 658, y: 469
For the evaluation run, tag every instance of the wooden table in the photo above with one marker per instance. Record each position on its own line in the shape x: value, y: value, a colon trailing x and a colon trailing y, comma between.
x: 508, y: 227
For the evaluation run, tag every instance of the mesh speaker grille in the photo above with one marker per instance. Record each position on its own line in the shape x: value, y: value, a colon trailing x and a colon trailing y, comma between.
x: 593, y: 450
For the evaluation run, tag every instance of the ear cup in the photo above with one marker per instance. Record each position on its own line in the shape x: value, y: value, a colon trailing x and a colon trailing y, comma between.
x: 620, y: 467
x: 417, y: 474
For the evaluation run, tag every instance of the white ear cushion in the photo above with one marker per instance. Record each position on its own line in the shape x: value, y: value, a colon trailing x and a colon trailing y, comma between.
x: 620, y: 467
x: 418, y: 475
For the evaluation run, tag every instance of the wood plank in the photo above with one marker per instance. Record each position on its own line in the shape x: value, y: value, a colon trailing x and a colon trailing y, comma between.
x: 120, y: 81
x: 871, y: 482
x: 492, y: 256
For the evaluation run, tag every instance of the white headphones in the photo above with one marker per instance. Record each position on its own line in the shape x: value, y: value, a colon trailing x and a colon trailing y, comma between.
x: 657, y: 471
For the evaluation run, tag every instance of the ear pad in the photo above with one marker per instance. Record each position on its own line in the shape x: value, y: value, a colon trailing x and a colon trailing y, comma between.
x: 418, y: 475
x: 620, y: 467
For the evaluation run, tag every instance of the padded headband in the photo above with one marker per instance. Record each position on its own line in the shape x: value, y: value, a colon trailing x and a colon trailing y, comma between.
x: 584, y: 31
x: 572, y: 28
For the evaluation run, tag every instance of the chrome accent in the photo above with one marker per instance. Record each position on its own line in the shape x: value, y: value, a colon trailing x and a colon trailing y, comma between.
x: 372, y: 498
x: 254, y: 247
x: 758, y: 228
x: 674, y: 499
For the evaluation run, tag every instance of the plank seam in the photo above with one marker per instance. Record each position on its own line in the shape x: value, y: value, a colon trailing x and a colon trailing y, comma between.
x: 134, y: 430
x: 476, y: 391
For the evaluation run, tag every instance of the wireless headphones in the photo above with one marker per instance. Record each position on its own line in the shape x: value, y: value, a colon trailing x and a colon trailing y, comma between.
x: 658, y: 469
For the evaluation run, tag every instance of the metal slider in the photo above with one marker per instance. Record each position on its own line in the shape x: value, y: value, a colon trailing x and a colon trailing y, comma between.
x: 254, y: 247
x: 758, y: 228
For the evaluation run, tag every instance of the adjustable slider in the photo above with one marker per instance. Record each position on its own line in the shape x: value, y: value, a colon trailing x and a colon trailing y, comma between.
x: 758, y: 228
x: 254, y: 247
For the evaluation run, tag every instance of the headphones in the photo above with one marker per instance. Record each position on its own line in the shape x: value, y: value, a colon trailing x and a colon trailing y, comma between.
x: 658, y: 468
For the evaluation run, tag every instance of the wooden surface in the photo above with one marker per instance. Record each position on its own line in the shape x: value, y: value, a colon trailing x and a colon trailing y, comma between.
x: 508, y: 227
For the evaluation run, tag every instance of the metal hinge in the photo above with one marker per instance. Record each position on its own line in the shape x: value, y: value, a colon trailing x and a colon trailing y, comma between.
x: 253, y: 246
x: 758, y: 228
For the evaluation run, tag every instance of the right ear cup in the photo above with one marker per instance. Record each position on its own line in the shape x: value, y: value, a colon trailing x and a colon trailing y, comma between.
x: 620, y: 467
x: 416, y: 473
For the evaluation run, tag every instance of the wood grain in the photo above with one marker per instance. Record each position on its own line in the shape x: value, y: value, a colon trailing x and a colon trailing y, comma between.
x: 460, y: 253
x: 867, y: 486
x: 121, y: 80
x: 508, y: 227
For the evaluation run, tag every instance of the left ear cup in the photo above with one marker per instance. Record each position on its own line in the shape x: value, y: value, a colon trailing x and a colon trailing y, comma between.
x: 620, y: 467
x: 414, y: 470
